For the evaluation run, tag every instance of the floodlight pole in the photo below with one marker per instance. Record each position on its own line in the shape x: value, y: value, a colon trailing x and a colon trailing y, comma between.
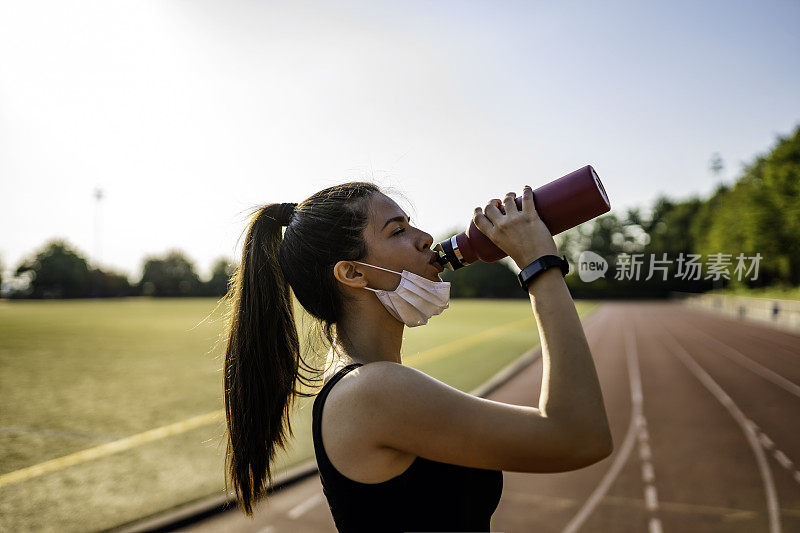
x: 98, y: 197
x: 716, y: 165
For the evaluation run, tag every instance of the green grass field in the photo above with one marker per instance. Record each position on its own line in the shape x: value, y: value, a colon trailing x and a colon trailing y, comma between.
x: 782, y: 292
x: 76, y: 375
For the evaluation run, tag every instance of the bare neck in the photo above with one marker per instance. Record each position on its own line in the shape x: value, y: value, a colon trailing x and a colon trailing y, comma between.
x: 369, y: 333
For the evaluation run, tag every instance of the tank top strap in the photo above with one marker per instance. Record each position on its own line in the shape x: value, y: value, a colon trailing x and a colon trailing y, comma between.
x: 316, y: 413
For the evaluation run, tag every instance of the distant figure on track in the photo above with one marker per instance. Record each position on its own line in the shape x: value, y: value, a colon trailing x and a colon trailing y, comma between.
x: 397, y: 450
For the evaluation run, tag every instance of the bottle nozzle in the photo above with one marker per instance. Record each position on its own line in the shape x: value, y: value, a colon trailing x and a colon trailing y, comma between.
x: 443, y: 258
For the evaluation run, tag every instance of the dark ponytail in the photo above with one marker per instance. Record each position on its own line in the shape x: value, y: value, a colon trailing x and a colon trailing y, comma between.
x: 263, y: 369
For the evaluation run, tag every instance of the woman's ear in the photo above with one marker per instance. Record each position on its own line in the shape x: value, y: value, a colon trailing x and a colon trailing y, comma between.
x: 347, y: 272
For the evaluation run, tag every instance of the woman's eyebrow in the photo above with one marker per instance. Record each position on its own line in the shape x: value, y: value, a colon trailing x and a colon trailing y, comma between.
x: 395, y: 219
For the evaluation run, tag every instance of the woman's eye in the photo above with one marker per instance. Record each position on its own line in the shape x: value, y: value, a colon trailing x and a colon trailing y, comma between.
x: 401, y: 230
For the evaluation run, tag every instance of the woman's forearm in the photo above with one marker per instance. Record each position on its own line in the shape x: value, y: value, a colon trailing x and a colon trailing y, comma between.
x: 570, y: 388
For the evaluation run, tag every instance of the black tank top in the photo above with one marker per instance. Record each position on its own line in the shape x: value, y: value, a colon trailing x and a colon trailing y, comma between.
x: 427, y: 496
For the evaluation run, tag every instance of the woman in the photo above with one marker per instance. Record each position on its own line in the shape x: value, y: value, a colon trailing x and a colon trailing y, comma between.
x: 397, y: 450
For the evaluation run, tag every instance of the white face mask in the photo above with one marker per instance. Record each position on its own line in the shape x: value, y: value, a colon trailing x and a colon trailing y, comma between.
x: 415, y: 299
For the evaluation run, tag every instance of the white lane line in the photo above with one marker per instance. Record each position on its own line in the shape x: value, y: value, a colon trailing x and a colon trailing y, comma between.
x: 740, y: 418
x: 636, y: 427
x: 300, y: 509
x: 645, y: 453
x: 651, y: 498
x: 782, y: 459
x: 647, y: 472
x: 605, y: 483
x: 654, y: 526
x: 769, y: 337
x: 735, y: 355
x: 779, y: 456
x: 611, y: 474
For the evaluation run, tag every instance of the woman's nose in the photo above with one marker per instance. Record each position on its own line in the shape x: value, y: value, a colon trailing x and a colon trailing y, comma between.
x: 427, y: 241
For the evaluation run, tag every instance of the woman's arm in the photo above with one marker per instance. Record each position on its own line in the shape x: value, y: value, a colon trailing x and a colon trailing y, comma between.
x: 570, y: 388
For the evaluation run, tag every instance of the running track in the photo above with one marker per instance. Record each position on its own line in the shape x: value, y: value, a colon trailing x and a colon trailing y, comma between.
x: 705, y: 415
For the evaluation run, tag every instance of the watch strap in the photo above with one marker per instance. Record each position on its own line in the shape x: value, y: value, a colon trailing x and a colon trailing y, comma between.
x: 527, y: 274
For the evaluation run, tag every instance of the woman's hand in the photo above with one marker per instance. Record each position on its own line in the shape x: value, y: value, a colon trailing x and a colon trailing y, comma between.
x: 521, y: 234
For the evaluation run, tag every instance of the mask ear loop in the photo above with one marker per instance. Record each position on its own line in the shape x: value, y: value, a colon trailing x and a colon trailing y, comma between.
x: 375, y: 266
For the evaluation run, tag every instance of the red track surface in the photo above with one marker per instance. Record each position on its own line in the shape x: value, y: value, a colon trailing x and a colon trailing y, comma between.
x: 706, y: 435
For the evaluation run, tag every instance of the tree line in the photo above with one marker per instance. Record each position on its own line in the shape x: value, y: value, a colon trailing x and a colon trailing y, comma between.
x: 59, y: 271
x: 758, y: 214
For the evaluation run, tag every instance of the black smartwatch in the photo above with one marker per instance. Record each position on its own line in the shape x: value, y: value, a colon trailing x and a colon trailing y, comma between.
x: 528, y: 273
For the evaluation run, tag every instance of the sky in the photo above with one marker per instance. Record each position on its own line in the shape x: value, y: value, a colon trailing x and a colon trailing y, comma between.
x: 188, y: 114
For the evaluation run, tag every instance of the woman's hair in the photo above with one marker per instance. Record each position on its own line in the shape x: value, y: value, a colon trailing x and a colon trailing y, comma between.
x: 263, y: 366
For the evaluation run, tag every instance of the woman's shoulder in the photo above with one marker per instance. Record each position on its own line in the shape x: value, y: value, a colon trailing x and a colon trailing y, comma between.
x: 349, y: 443
x: 356, y: 388
x: 376, y: 377
x: 350, y: 377
x: 377, y: 389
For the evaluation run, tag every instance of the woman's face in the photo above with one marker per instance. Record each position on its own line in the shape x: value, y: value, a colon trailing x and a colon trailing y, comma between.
x: 394, y: 243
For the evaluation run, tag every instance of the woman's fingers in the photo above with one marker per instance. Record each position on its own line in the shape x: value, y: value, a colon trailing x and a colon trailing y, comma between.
x: 528, y: 206
x: 481, y: 221
x: 492, y: 215
x: 491, y: 210
x: 510, y: 205
x: 522, y: 235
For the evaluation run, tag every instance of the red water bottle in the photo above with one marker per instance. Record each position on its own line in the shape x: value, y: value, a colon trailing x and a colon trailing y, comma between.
x: 562, y: 204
